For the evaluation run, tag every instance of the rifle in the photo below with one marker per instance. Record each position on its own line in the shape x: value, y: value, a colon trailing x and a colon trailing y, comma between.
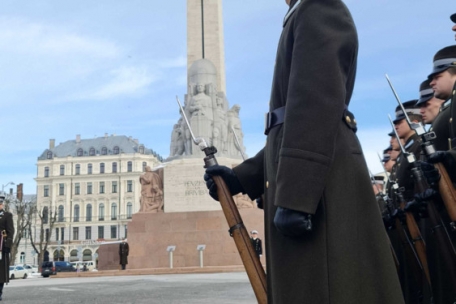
x: 237, y: 230
x: 415, y: 251
x: 446, y: 189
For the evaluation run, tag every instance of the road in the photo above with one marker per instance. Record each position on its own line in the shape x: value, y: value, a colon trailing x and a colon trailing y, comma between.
x: 217, y: 288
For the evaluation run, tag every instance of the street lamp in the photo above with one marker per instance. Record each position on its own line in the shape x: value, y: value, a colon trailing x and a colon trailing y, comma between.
x: 3, y: 186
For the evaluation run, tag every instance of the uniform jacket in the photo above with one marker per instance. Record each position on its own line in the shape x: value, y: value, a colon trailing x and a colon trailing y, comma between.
x: 313, y: 163
x: 123, y: 253
x: 403, y: 167
x: 6, y: 223
x: 256, y: 243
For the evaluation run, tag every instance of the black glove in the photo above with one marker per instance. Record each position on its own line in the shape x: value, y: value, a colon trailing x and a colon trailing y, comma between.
x: 431, y: 174
x: 388, y: 220
x: 227, y: 175
x: 6, y: 249
x: 398, y: 213
x: 419, y: 204
x: 292, y: 223
x: 448, y: 161
x: 438, y: 157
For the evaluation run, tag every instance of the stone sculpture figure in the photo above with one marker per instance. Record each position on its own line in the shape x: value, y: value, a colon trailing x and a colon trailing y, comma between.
x: 234, y: 123
x: 220, y: 130
x: 177, y: 141
x: 151, y: 191
x: 200, y: 104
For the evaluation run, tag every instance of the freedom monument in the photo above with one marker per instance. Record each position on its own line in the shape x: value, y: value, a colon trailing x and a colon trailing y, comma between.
x: 177, y: 217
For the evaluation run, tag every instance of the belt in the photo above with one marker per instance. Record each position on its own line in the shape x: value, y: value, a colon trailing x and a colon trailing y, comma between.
x: 277, y: 116
x: 274, y: 118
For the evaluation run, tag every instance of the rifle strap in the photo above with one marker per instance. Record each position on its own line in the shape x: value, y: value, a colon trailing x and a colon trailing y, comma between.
x: 237, y: 226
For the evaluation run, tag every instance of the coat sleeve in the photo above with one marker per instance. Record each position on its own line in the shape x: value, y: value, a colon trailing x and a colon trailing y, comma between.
x: 251, y: 175
x: 127, y: 249
x: 9, y: 230
x: 323, y: 59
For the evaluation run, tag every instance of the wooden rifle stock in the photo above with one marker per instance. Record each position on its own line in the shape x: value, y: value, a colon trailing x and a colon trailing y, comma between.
x: 250, y: 259
x: 448, y: 193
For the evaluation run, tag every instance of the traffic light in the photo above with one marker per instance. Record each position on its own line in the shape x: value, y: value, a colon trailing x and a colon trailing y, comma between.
x: 19, y: 192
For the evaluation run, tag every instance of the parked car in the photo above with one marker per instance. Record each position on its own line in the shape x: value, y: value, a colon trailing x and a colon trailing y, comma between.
x: 79, y: 265
x: 31, y: 268
x: 52, y: 268
x: 17, y: 271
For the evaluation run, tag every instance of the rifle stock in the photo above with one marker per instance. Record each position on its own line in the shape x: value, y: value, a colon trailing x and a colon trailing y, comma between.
x: 448, y: 193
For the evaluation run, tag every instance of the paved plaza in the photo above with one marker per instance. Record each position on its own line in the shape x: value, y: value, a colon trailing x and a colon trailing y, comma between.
x: 219, y: 288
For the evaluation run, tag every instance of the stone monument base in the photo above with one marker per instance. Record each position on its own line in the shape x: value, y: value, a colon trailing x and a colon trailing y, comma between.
x: 150, y: 234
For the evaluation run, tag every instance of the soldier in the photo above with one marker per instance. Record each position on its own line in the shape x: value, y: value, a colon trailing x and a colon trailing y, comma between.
x: 256, y: 242
x: 428, y: 104
x: 313, y: 173
x: 7, y: 230
x: 123, y: 253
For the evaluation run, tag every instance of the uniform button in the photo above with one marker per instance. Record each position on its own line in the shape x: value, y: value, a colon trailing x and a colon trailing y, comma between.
x: 267, y: 184
x: 451, y: 119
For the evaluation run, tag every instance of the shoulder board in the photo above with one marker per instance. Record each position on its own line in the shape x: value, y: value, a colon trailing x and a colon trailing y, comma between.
x: 290, y: 12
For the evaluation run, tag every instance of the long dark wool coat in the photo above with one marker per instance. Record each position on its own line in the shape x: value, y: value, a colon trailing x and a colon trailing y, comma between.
x: 313, y: 163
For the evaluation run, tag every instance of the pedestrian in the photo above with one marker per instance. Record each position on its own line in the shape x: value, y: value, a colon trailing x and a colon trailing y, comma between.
x: 123, y: 253
x: 256, y: 243
x: 7, y: 231
x: 325, y: 241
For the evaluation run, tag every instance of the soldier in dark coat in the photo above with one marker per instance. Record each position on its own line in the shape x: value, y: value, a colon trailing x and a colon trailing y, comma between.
x: 325, y: 241
x: 123, y: 253
x: 7, y: 229
x: 256, y: 243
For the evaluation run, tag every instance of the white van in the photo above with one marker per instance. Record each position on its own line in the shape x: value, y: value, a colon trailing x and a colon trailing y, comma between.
x: 79, y: 265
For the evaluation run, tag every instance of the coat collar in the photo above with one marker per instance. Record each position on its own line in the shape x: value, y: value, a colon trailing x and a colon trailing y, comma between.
x: 293, y: 7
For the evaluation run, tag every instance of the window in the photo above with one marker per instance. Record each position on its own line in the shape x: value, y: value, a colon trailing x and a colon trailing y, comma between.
x: 80, y: 152
x: 75, y: 233
x: 88, y: 233
x: 47, y: 234
x: 101, y: 232
x: 102, y: 168
x: 129, y: 186
x: 115, y: 150
x: 129, y: 166
x: 57, y: 234
x: 104, y: 151
x: 61, y: 189
x: 78, y: 169
x: 114, y: 187
x: 45, y: 215
x: 46, y: 171
x: 102, y: 187
x: 77, y: 188
x: 89, y: 188
x: 129, y: 210
x: 144, y: 164
x: 46, y: 191
x: 62, y: 233
x: 113, y: 231
x: 89, y: 212
x: 92, y: 151
x: 60, y: 215
x: 114, y: 211
x: 141, y: 149
x: 89, y: 169
x: 114, y: 167
x: 76, y: 213
x: 49, y: 155
x: 101, y: 211
x: 62, y: 169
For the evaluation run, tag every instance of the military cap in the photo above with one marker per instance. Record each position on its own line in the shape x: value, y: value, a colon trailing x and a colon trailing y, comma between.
x: 391, y: 133
x: 254, y: 232
x: 426, y: 93
x: 453, y: 18
x: 410, y: 107
x: 444, y: 59
x: 386, y: 155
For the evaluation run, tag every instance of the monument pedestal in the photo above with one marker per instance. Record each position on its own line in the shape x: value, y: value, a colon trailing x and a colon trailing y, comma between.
x: 149, y: 235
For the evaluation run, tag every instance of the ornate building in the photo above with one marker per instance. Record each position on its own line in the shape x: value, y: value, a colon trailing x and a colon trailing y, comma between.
x: 93, y: 187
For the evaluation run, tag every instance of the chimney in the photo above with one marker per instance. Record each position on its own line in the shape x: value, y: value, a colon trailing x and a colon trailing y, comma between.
x: 51, y: 144
x: 78, y: 138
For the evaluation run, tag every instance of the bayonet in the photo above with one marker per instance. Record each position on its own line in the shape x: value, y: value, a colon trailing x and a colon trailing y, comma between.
x: 237, y: 141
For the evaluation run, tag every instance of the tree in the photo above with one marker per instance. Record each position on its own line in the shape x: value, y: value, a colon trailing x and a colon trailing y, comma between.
x: 40, y: 243
x: 23, y: 211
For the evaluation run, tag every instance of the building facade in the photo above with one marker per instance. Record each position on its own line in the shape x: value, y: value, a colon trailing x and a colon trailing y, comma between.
x: 92, y: 186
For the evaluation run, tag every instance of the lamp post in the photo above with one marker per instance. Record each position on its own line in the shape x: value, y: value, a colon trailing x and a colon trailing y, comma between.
x: 3, y: 186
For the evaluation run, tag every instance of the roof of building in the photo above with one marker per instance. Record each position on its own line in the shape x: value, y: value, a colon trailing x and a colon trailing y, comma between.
x: 112, y: 143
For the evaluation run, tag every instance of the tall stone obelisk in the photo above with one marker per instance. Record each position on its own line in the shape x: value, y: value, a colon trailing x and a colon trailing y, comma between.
x: 205, y: 36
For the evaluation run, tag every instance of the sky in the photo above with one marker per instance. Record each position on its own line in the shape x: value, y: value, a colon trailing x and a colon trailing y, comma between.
x: 111, y: 66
